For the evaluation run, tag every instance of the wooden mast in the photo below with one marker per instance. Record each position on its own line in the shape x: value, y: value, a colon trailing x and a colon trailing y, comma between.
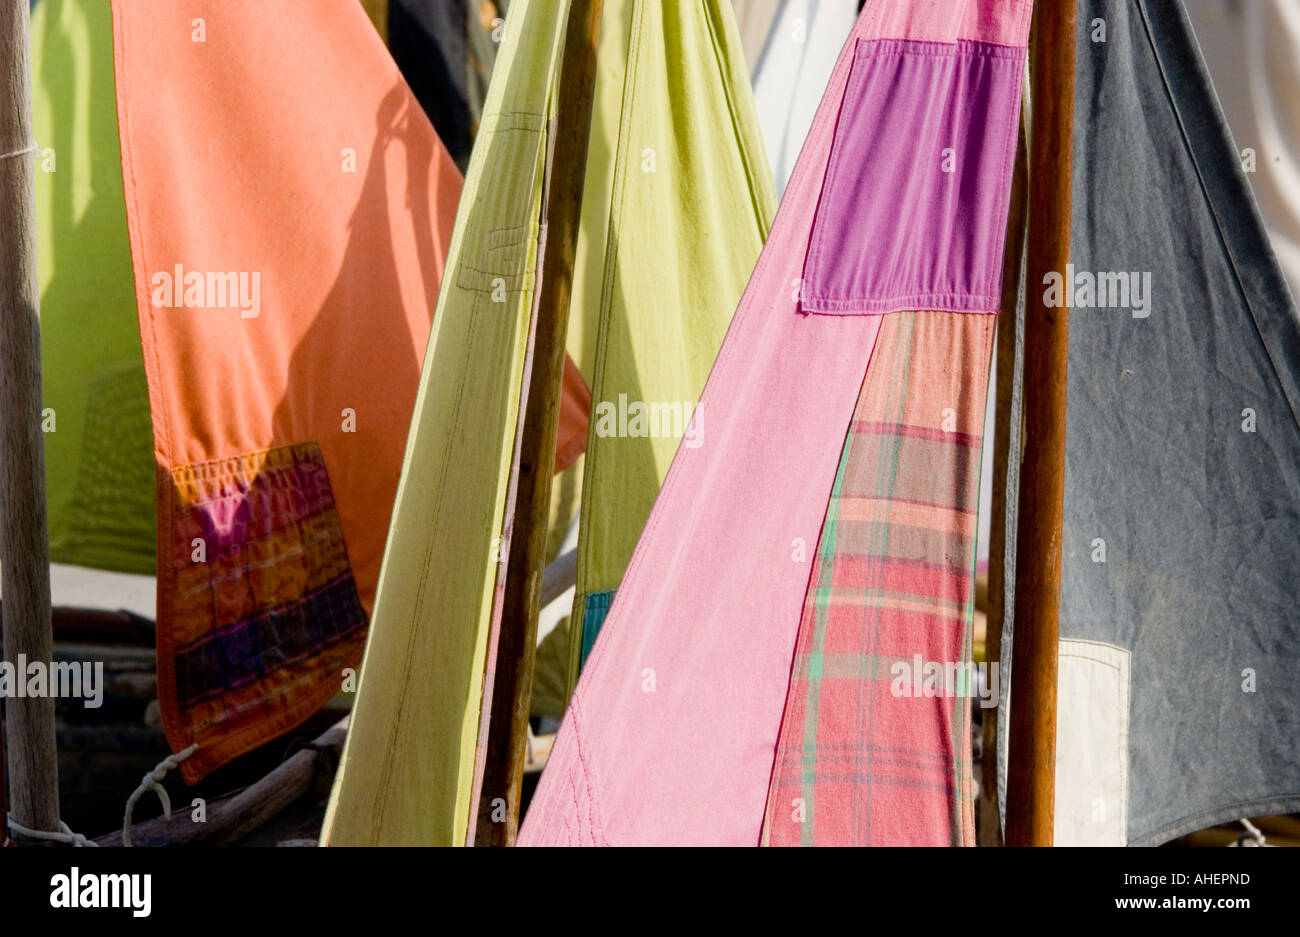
x: 503, y: 771
x: 24, y: 544
x: 1032, y: 740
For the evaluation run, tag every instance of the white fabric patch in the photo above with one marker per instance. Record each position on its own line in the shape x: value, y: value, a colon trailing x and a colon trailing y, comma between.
x: 1092, y: 744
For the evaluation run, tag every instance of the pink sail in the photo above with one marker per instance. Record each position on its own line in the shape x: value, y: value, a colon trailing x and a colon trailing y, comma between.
x: 672, y: 732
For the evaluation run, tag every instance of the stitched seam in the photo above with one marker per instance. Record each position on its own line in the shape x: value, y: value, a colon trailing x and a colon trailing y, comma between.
x: 813, y: 259
x: 593, y: 805
x: 934, y: 48
x: 846, y: 300
x: 996, y: 272
x: 1283, y: 803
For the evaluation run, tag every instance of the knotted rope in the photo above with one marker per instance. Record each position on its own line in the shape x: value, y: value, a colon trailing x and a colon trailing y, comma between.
x: 150, y: 783
x: 65, y: 835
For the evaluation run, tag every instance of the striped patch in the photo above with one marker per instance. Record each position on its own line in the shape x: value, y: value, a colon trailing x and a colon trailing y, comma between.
x: 265, y: 610
x: 865, y: 757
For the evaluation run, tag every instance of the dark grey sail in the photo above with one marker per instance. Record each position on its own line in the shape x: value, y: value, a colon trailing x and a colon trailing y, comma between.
x: 1180, y: 604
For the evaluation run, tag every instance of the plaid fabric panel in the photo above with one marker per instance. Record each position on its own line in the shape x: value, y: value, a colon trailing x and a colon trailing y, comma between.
x: 265, y: 610
x: 875, y: 737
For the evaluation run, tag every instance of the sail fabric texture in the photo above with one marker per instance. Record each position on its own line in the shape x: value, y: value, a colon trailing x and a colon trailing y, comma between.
x: 874, y: 746
x: 1182, y: 458
x: 905, y: 99
x: 672, y: 732
x: 678, y: 200
x: 446, y: 50
x: 791, y: 47
x: 667, y: 239
x: 99, y: 446
x: 408, y: 768
x: 283, y: 314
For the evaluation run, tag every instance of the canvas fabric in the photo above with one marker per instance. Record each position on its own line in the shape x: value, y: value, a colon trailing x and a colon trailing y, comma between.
x: 269, y: 552
x: 671, y: 734
x: 874, y: 747
x: 102, y: 482
x: 408, y: 770
x: 955, y: 103
x: 446, y: 50
x: 1092, y: 696
x: 616, y: 307
x: 1182, y: 475
x: 678, y: 201
x: 99, y: 465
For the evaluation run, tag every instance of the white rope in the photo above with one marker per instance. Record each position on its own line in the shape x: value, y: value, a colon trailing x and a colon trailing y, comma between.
x: 23, y: 152
x: 150, y: 783
x: 1253, y: 832
x: 64, y: 835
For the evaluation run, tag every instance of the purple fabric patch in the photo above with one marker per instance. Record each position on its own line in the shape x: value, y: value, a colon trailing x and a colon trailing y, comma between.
x: 912, y: 214
x: 246, y: 511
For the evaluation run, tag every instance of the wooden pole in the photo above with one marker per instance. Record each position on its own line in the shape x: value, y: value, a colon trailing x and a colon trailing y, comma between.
x: 24, y: 547
x: 503, y: 772
x: 240, y: 815
x: 990, y: 824
x: 1032, y: 740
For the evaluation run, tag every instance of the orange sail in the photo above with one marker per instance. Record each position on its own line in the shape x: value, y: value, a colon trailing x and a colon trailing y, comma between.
x: 289, y: 209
